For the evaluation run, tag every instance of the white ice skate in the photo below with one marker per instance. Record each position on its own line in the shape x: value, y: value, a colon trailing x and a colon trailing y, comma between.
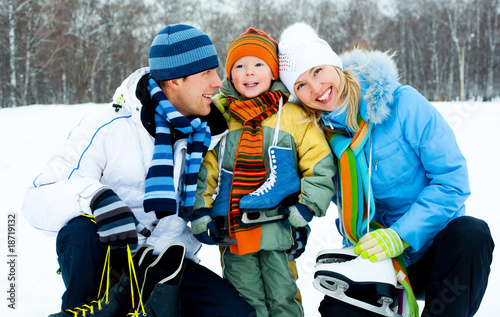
x: 336, y: 255
x: 359, y: 282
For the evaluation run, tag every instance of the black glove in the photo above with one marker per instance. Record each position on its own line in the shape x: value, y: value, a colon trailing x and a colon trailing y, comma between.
x: 299, y: 241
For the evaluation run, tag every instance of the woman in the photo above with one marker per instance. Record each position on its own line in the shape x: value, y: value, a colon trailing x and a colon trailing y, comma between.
x: 409, y: 168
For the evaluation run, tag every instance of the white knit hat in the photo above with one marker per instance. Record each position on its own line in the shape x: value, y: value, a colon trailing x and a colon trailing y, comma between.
x: 300, y: 49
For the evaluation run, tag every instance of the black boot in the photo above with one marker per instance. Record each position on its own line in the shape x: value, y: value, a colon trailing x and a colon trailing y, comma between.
x: 161, y: 285
x: 164, y: 301
x: 119, y: 299
x: 118, y: 304
x: 166, y: 269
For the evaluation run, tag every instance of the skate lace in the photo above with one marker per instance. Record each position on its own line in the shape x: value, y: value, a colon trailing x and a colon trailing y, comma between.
x: 267, y: 186
x: 82, y: 311
x: 97, y: 304
x: 133, y: 280
x: 269, y: 183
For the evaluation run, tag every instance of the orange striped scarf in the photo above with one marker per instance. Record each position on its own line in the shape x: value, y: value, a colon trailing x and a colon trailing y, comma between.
x: 249, y: 167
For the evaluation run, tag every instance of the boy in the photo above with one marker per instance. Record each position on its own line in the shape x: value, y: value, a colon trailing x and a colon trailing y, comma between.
x: 262, y: 126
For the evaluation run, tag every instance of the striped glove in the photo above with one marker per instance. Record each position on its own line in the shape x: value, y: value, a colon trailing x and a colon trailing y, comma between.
x: 116, y: 224
x: 380, y: 244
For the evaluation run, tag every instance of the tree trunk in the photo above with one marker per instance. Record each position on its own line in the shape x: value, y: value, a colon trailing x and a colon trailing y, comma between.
x: 27, y: 71
x: 12, y: 48
x: 492, y: 42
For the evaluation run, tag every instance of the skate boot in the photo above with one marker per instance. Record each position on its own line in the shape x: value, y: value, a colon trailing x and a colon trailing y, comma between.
x: 283, y: 183
x: 119, y: 299
x: 336, y: 255
x: 143, y: 258
x: 167, y: 267
x: 118, y: 303
x: 162, y: 284
x: 220, y: 209
x: 359, y: 282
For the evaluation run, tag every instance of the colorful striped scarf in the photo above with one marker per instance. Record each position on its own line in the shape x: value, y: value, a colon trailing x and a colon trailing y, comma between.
x: 354, y: 193
x: 160, y: 195
x: 249, y: 167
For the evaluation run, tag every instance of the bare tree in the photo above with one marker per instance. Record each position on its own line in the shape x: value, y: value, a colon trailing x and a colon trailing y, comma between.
x: 459, y: 22
x: 13, y: 54
x: 76, y: 51
x: 492, y: 35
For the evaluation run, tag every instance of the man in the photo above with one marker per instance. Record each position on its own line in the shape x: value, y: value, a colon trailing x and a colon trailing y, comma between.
x: 127, y: 176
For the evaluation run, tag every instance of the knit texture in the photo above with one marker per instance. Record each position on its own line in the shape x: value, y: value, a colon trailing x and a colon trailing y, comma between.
x: 116, y: 224
x: 160, y: 195
x: 256, y: 43
x: 354, y: 189
x: 300, y: 49
x: 249, y: 167
x: 181, y: 50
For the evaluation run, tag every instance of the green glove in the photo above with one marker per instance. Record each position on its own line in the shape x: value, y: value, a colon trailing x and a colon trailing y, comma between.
x: 380, y: 244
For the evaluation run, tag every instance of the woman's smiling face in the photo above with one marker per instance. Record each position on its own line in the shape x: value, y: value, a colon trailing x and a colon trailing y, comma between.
x: 318, y: 88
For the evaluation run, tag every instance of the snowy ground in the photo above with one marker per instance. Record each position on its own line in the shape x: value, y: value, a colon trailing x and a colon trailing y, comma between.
x: 28, y: 135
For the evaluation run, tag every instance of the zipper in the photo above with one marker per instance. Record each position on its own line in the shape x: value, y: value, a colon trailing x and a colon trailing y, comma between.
x: 329, y: 123
x: 376, y: 161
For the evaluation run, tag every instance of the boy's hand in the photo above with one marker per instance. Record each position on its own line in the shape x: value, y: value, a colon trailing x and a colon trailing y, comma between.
x: 200, y: 223
x: 298, y: 215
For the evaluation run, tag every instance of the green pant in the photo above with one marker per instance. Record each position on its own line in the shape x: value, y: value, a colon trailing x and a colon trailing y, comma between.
x: 266, y: 281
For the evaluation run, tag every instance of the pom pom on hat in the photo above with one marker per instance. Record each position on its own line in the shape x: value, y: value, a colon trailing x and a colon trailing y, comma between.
x: 256, y: 43
x: 298, y: 29
x: 300, y: 49
x: 181, y: 50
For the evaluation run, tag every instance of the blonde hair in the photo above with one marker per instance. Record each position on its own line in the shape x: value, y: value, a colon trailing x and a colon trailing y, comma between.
x: 350, y: 94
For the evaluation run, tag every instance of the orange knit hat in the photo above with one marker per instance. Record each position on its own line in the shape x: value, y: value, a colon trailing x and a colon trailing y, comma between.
x: 256, y: 43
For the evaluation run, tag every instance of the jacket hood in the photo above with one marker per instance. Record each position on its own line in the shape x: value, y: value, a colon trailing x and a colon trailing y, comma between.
x: 125, y: 94
x: 378, y: 77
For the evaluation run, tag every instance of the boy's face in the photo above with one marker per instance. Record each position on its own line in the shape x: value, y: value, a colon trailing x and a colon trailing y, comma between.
x: 251, y: 77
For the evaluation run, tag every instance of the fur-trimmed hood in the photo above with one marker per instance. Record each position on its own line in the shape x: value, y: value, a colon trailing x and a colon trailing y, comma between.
x: 379, y: 77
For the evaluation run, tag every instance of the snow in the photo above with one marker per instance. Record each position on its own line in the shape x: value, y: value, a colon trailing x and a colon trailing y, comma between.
x: 28, y: 136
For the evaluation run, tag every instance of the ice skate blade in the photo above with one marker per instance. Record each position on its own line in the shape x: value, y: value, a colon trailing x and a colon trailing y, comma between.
x: 336, y: 288
x: 259, y: 219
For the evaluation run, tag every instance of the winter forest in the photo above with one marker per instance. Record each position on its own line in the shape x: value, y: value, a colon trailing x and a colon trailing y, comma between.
x: 78, y: 51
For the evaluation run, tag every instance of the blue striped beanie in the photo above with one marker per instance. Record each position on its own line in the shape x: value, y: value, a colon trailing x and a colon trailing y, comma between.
x: 181, y: 50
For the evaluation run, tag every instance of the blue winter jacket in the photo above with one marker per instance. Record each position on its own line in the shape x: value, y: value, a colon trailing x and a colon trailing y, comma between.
x: 419, y: 176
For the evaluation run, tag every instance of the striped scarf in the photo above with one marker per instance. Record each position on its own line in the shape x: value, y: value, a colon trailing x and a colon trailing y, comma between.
x: 160, y: 195
x: 354, y: 192
x: 249, y: 167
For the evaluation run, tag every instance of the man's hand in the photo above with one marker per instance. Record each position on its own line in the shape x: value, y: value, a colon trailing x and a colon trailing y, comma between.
x: 116, y: 223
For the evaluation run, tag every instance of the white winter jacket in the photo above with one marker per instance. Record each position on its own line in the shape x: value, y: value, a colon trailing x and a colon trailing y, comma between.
x: 108, y: 149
